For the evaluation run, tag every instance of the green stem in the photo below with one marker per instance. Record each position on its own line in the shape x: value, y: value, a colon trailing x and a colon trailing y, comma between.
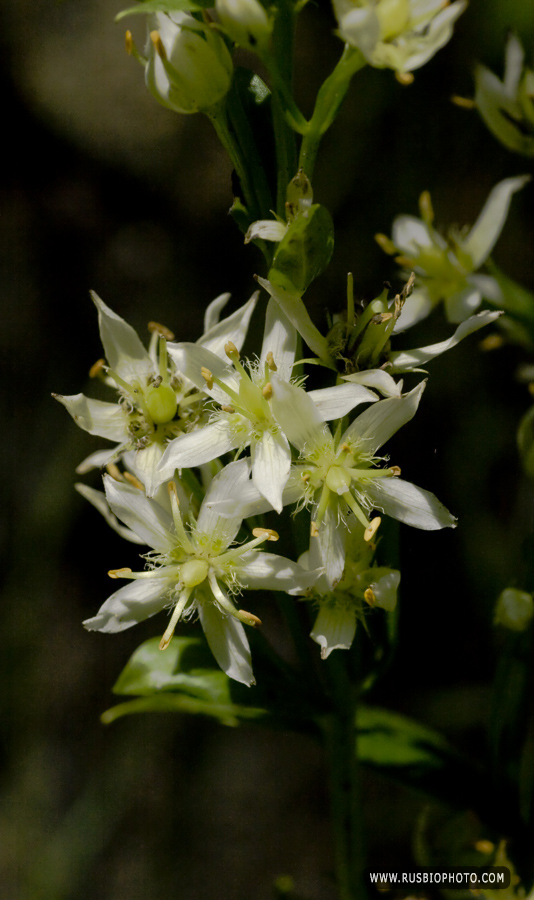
x: 340, y: 742
x: 218, y: 115
x: 329, y: 99
x: 280, y: 64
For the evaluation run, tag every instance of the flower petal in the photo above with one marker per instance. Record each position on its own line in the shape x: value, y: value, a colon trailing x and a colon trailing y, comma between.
x: 487, y: 228
x: 337, y: 401
x: 146, y: 517
x: 280, y: 339
x: 213, y: 311
x: 271, y: 462
x: 123, y: 348
x: 332, y: 540
x: 377, y: 424
x: 378, y: 379
x: 98, y: 500
x: 133, y: 603
x: 146, y: 463
x: 266, y: 230
x: 226, y: 488
x: 270, y: 572
x: 416, y: 307
x: 234, y: 328
x: 190, y: 359
x: 198, y: 447
x: 98, y: 459
x: 460, y: 305
x: 107, y: 420
x: 409, y: 504
x: 228, y: 643
x: 403, y: 361
x: 298, y: 416
x: 334, y: 628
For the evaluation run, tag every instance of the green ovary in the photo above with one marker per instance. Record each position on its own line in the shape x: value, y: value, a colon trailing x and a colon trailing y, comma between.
x: 194, y: 572
x: 161, y: 403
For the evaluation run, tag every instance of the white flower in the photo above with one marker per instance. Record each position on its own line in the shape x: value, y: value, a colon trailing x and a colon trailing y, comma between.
x: 196, y: 569
x: 339, y: 475
x: 507, y: 106
x: 156, y: 402
x: 245, y: 417
x: 397, y: 34
x: 246, y: 22
x: 447, y: 268
x: 189, y: 68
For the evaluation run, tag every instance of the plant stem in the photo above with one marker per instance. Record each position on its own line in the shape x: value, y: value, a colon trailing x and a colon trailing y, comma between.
x: 218, y: 115
x: 340, y: 742
x: 329, y: 99
x: 280, y: 65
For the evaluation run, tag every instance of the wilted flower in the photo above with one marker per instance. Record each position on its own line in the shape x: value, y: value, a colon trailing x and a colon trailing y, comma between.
x: 507, y: 106
x: 196, y: 569
x: 397, y: 34
x: 447, y: 267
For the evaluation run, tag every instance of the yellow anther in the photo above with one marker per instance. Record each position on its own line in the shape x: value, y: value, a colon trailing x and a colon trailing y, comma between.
x: 129, y: 43
x: 404, y: 261
x: 171, y: 488
x: 231, y: 350
x: 248, y: 618
x: 131, y: 479
x: 404, y: 78
x: 385, y: 243
x: 371, y: 529
x: 268, y: 533
x: 165, y: 641
x: 395, y: 471
x: 314, y: 530
x: 158, y: 44
x: 425, y: 206
x: 369, y: 597
x: 305, y: 477
x: 228, y: 409
x: 267, y: 390
x: 161, y: 329
x: 491, y: 342
x: 346, y: 447
x: 114, y: 471
x: 269, y: 359
x: 97, y: 368
x: 463, y: 102
x: 118, y: 573
x: 207, y: 376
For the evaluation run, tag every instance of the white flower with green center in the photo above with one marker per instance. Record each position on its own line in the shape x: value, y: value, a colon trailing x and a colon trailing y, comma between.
x: 397, y: 34
x: 507, y: 106
x: 156, y: 401
x: 447, y: 267
x: 245, y: 415
x: 338, y: 475
x: 196, y: 569
x: 362, y: 585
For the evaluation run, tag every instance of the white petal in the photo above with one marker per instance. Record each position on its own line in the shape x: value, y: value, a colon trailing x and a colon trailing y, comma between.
x: 234, y: 328
x: 212, y: 314
x: 488, y: 286
x: 416, y: 307
x: 334, y: 628
x: 266, y: 230
x: 198, y: 447
x: 377, y: 424
x: 461, y: 305
x: 410, y: 234
x: 384, y: 584
x: 98, y: 500
x: 95, y: 416
x: 337, y: 401
x: 487, y: 228
x: 124, y: 351
x: 146, y: 463
x: 133, y: 603
x: 271, y: 462
x: 146, y: 517
x: 226, y: 487
x: 332, y: 540
x: 228, y: 643
x: 279, y: 338
x: 379, y: 379
x: 294, y: 308
x: 97, y: 460
x: 409, y: 504
x: 298, y: 416
x: 270, y: 572
x: 410, y: 359
x: 189, y: 359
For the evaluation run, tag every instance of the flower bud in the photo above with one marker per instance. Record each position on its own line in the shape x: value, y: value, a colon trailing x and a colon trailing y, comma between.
x: 246, y: 22
x: 189, y: 67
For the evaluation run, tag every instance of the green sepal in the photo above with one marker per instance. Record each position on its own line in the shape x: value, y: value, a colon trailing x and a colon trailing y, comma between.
x: 304, y: 251
x: 165, y: 6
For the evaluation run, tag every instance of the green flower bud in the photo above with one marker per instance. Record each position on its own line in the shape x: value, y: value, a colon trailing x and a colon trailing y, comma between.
x: 246, y: 22
x: 514, y: 609
x: 189, y: 68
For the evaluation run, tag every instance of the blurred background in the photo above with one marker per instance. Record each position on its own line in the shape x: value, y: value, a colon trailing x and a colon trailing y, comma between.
x: 102, y: 189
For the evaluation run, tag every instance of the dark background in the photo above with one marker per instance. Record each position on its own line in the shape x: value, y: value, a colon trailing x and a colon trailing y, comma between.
x: 102, y: 189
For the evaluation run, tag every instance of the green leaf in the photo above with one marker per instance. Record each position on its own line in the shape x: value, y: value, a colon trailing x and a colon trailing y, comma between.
x: 304, y: 251
x: 165, y: 6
